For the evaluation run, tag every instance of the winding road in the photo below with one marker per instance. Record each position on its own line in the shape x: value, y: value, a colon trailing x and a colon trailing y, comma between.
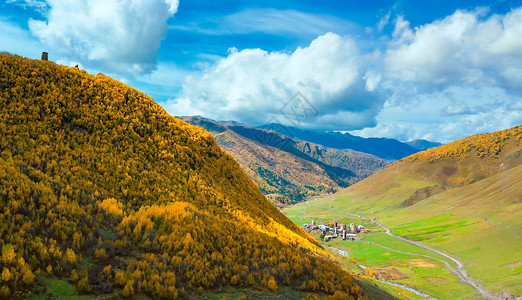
x: 459, y: 271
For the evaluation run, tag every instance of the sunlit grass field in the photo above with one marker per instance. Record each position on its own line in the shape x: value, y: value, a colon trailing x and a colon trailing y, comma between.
x: 425, y: 270
x: 479, y: 224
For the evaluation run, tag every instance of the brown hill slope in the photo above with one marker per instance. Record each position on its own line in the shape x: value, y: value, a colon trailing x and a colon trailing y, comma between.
x: 99, y: 186
x: 287, y: 170
x: 361, y: 164
x: 281, y: 176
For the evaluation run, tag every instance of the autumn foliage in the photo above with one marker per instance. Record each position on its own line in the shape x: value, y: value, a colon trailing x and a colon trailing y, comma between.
x: 487, y: 145
x: 99, y: 185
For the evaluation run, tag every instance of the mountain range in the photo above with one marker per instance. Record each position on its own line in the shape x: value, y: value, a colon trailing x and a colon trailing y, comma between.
x: 384, y: 148
x: 289, y: 164
x: 286, y: 169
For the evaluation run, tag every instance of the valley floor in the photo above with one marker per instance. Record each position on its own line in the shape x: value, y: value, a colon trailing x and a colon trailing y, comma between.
x: 378, y: 254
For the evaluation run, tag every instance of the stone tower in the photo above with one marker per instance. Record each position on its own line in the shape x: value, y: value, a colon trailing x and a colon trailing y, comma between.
x: 45, y: 56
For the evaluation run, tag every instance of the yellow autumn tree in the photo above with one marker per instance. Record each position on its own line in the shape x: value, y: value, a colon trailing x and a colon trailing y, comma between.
x: 272, y: 284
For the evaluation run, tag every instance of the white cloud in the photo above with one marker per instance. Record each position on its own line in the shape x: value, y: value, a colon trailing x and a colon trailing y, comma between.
x: 443, y: 81
x: 451, y: 114
x: 285, y: 22
x: 445, y: 132
x: 120, y: 36
x: 383, y: 21
x: 452, y: 109
x: 464, y: 48
x: 39, y: 5
x: 451, y: 78
x: 252, y: 85
x: 372, y: 80
x: 271, y: 21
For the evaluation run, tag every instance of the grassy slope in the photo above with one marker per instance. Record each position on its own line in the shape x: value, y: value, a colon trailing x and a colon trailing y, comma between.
x: 479, y: 223
x: 477, y: 219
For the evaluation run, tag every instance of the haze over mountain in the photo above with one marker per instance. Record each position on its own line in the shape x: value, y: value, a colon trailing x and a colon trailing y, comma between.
x: 285, y: 169
x: 423, y: 144
x: 103, y: 192
x: 381, y: 147
x: 463, y: 198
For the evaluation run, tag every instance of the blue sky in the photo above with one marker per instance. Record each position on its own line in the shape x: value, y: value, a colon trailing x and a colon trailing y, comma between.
x: 439, y: 70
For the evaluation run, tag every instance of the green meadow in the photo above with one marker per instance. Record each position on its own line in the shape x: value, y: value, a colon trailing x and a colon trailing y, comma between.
x: 425, y: 270
x: 479, y: 224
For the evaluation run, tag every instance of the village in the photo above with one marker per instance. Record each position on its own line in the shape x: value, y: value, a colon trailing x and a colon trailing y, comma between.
x: 335, y: 230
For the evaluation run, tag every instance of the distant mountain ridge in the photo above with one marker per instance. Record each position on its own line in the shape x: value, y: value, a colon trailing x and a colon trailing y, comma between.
x: 421, y: 144
x: 381, y: 147
x: 286, y: 169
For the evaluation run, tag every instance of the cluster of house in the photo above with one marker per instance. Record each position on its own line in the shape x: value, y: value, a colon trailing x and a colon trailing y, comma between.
x: 338, y: 230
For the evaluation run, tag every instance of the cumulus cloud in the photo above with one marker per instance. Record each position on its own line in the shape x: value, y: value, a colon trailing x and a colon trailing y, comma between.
x: 463, y: 48
x: 441, y: 81
x: 120, y: 36
x: 451, y: 78
x: 253, y: 86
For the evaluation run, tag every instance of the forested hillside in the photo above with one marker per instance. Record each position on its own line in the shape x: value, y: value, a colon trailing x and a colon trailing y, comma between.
x: 99, y: 186
x: 488, y: 145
